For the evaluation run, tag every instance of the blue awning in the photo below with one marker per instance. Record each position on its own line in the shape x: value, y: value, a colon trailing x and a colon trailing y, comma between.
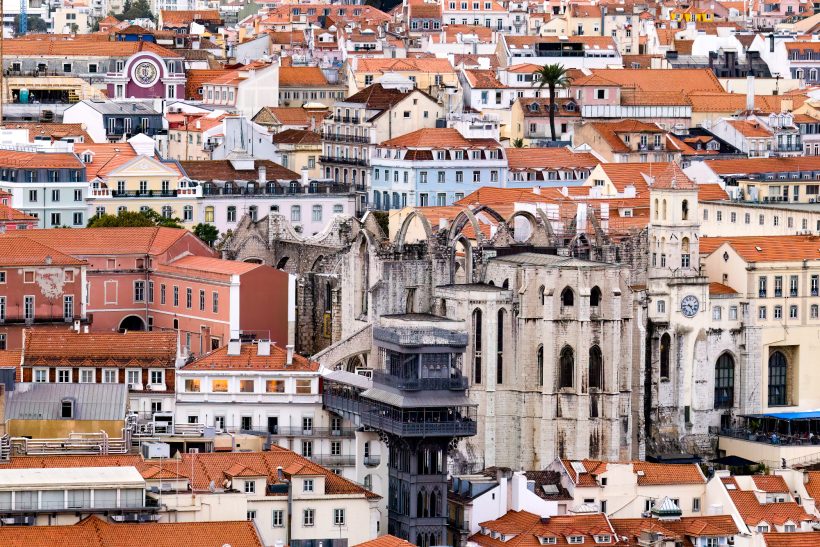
x: 809, y: 415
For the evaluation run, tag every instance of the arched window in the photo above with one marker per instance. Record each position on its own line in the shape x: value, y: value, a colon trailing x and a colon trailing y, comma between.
x: 595, y: 297
x: 566, y: 368
x: 567, y: 297
x: 684, y: 210
x: 368, y: 482
x: 656, y: 208
x: 596, y: 368
x: 499, y: 360
x: 684, y: 253
x: 505, y: 284
x: 666, y: 343
x: 663, y: 210
x: 477, y: 327
x: 725, y: 381
x: 539, y: 365
x: 541, y: 295
x: 778, y: 370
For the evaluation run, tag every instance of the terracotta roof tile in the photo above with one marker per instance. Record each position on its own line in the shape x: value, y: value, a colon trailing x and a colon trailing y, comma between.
x: 292, y: 115
x: 483, y: 79
x: 197, y: 77
x: 82, y: 48
x: 667, y: 473
x: 549, y: 158
x: 767, y: 248
x: 71, y: 348
x: 56, y: 131
x: 813, y: 484
x: 754, y: 166
x: 427, y: 64
x: 300, y: 76
x: 80, y: 242
x: 792, y: 539
x: 206, y: 170
x: 772, y: 484
x: 679, y: 79
x: 753, y: 512
x: 186, y: 17
x: 95, y: 532
x: 297, y: 136
x: 52, y: 160
x: 22, y: 251
x: 386, y: 541
x: 526, y: 529
x: 249, y: 359
x: 438, y: 138
x: 376, y: 97
x: 719, y: 289
x: 677, y: 530
x: 10, y: 214
x: 750, y: 129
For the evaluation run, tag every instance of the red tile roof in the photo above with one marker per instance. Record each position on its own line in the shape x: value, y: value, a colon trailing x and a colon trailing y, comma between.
x: 753, y: 512
x: 10, y: 214
x: 386, y: 541
x: 71, y: 348
x: 82, y: 48
x: 427, y: 64
x: 96, y: 532
x: 792, y: 539
x: 526, y: 528
x: 79, y: 242
x: 249, y: 359
x: 203, y: 468
x: 649, y: 474
x: 25, y: 252
x: 772, y: 484
x: 438, y: 138
x: 750, y: 129
x: 301, y: 76
x: 754, y: 249
x: 719, y: 289
x: 51, y: 160
x: 754, y: 166
x: 549, y: 158
x: 680, y: 530
x: 186, y: 17
x: 56, y: 131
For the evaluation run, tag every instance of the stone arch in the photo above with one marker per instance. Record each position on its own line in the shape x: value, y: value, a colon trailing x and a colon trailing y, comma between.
x: 469, y: 215
x: 535, y: 236
x: 132, y: 322
x: 282, y: 263
x: 405, y: 225
x: 253, y: 260
x: 465, y: 243
x: 318, y: 263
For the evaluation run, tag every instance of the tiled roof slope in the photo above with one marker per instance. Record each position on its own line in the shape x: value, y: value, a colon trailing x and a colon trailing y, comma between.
x: 772, y: 484
x: 206, y: 467
x: 25, y: 252
x: 778, y: 513
x: 96, y: 532
x: 386, y: 541
x: 249, y: 359
x: 526, y: 529
x: 767, y: 248
x: 224, y: 170
x: 71, y: 348
x: 549, y: 158
x: 793, y: 539
x: 82, y: 48
x: 54, y: 160
x: 376, y: 97
x: 104, y: 241
x: 438, y: 138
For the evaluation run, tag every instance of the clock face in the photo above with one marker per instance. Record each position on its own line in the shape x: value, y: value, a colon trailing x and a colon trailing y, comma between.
x: 146, y: 73
x: 689, y: 305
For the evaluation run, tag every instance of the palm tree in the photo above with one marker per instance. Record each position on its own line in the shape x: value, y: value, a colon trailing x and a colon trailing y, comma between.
x: 552, y: 77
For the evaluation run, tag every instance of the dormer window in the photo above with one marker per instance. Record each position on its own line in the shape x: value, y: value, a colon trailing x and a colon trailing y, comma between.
x: 570, y: 107
x: 603, y: 538
x: 534, y: 107
x: 88, y: 157
x: 575, y: 540
x: 67, y: 409
x: 548, y: 540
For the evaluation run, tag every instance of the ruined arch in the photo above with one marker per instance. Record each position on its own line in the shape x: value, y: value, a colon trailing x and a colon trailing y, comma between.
x: 469, y: 215
x: 466, y: 273
x: 535, y: 227
x: 405, y: 225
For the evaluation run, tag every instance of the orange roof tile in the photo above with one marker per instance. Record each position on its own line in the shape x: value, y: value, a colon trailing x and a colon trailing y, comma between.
x: 753, y: 512
x: 711, y: 192
x: 754, y: 166
x: 750, y: 129
x: 792, y: 539
x: 772, y: 484
x: 10, y: 214
x: 549, y: 158
x: 386, y: 541
x: 52, y: 160
x: 438, y: 138
x: 80, y: 242
x: 754, y: 249
x: 300, y: 76
x: 813, y: 484
x: 678, y: 530
x: 427, y: 64
x: 185, y: 17
x: 719, y: 289
x: 249, y: 359
x: 56, y: 131
x: 96, y: 532
x: 25, y: 252
x: 524, y: 529
x: 679, y: 79
x: 82, y: 48
x: 71, y: 348
x: 483, y: 79
x: 667, y: 473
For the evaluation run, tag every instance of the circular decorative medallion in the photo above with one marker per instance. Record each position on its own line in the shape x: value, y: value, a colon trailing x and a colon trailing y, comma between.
x: 689, y: 305
x: 145, y: 73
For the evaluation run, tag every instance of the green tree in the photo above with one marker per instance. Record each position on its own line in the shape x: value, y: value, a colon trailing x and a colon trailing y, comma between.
x: 552, y: 77
x: 207, y: 233
x: 518, y: 143
x: 36, y: 25
x: 133, y: 219
x: 139, y: 9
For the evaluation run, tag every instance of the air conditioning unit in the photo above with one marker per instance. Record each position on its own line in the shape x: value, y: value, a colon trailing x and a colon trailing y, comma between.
x: 193, y: 451
x: 132, y: 386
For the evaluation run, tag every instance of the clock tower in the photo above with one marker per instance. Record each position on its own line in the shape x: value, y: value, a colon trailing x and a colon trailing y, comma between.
x: 678, y: 307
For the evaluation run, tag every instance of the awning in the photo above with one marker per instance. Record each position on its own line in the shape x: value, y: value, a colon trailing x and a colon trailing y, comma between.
x: 733, y: 461
x: 807, y: 415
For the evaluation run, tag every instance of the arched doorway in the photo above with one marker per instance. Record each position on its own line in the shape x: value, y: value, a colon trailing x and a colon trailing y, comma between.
x: 132, y: 322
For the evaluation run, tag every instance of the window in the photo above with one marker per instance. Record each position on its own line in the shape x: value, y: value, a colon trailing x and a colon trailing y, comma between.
x: 661, y: 306
x: 250, y: 515
x: 596, y: 368
x: 732, y: 313
x: 192, y: 385
x: 793, y: 282
x: 139, y: 291
x: 189, y: 298
x: 274, y: 386
x: 307, y: 485
x: 317, y: 213
x: 68, y: 307
x: 201, y: 300
x: 63, y: 376
x: 762, y: 528
x: 761, y: 312
x: 176, y: 296
x: 777, y: 378
x: 246, y: 386
x: 792, y: 312
x: 28, y: 308
x: 307, y: 517
x: 696, y: 505
x: 295, y: 213
x: 716, y: 313
x: 231, y: 214
x: 278, y: 518
x: 67, y: 409
x: 188, y: 213
x: 162, y: 294
x: 250, y: 487
x: 477, y: 327
x: 56, y: 219
x: 157, y: 377
x: 813, y: 311
x: 575, y: 540
x: 40, y: 375
x: 304, y: 387
x: 539, y: 365
x: 219, y: 386
x: 215, y: 302
x: 338, y: 517
x: 566, y: 368
x: 761, y: 287
x: 725, y: 381
x: 665, y: 350
x: 2, y: 308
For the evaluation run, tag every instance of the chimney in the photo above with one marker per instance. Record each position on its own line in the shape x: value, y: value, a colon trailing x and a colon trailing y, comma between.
x: 603, y: 20
x: 290, y: 354
x: 771, y: 43
x: 305, y: 177
x: 263, y: 174
x: 234, y: 347
x: 750, y: 93
x: 263, y: 348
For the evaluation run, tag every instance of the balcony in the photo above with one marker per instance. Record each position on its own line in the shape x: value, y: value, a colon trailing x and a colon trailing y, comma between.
x: 345, y: 161
x: 337, y: 137
x: 290, y: 431
x: 333, y: 460
x: 372, y: 461
x: 145, y: 194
